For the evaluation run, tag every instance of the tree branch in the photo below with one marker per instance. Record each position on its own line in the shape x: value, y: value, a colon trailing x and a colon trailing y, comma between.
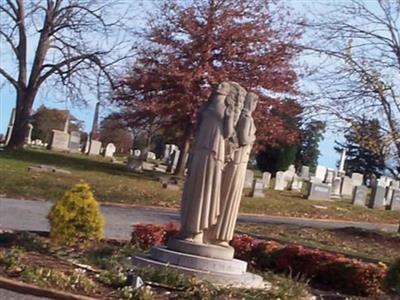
x: 9, y: 78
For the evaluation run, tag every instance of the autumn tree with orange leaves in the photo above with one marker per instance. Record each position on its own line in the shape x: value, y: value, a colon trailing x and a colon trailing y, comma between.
x: 188, y: 48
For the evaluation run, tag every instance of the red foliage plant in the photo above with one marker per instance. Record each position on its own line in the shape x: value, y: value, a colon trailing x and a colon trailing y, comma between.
x: 333, y: 270
x: 148, y: 235
x: 189, y: 47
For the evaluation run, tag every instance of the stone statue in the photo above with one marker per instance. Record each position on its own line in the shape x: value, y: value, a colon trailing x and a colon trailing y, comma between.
x: 212, y: 192
x: 201, y: 199
x: 234, y: 173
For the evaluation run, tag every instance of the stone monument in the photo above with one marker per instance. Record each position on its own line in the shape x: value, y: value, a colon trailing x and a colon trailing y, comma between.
x: 94, y: 146
x: 395, y: 201
x: 320, y: 173
x: 335, y: 191
x: 319, y: 191
x: 346, y: 189
x: 28, y: 138
x: 360, y: 195
x: 357, y: 179
x: 249, y: 178
x: 377, y: 200
x: 266, y: 177
x: 59, y: 140
x: 75, y: 141
x: 305, y: 172
x: 342, y: 162
x: 257, y: 189
x: 212, y: 193
x: 110, y: 150
x: 10, y: 127
x: 280, y: 183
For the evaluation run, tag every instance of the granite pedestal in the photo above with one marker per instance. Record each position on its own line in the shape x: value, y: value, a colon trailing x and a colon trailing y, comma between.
x: 215, y: 265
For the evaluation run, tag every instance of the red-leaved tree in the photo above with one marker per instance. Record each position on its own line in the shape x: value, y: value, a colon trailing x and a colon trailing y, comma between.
x: 188, y: 48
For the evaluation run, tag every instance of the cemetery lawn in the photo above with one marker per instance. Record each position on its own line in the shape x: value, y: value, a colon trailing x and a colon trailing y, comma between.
x: 365, y: 244
x: 112, y: 183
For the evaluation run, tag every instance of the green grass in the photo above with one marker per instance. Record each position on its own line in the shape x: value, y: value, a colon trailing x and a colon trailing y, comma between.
x: 291, y: 204
x: 112, y: 183
x: 365, y: 244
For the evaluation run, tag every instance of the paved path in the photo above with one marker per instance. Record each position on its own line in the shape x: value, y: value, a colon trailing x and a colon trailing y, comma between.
x: 31, y: 215
x: 10, y: 295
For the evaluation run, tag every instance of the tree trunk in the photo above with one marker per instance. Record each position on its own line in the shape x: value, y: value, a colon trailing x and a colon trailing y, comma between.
x: 185, y: 147
x: 22, y: 116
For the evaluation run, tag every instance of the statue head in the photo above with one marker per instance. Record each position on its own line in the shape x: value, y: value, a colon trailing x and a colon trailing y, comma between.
x: 219, y: 94
x: 237, y: 95
x: 223, y: 88
x: 250, y: 102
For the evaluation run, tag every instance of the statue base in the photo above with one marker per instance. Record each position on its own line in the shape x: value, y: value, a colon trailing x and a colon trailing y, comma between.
x: 206, y: 250
x: 225, y: 272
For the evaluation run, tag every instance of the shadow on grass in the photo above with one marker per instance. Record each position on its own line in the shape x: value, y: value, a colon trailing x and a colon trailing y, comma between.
x: 388, y: 239
x: 77, y: 162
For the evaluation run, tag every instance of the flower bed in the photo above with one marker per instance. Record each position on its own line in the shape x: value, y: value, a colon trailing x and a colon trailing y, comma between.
x: 335, y: 271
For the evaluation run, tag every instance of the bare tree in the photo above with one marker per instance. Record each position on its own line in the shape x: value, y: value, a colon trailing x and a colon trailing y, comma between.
x: 359, y: 42
x: 56, y: 41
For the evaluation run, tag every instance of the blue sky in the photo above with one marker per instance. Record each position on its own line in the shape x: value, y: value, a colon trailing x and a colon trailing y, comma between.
x: 328, y: 156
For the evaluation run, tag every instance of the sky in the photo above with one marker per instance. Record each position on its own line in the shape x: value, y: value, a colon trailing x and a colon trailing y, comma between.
x: 327, y: 158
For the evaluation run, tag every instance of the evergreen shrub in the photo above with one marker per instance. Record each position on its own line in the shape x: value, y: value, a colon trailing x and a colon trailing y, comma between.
x: 76, y: 217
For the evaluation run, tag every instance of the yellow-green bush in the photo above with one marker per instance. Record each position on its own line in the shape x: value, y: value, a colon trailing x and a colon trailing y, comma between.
x: 76, y: 217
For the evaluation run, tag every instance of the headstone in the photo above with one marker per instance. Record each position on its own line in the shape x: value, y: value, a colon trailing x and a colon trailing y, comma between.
x: 292, y: 169
x: 279, y: 181
x: 320, y: 173
x: 266, y: 177
x: 173, y: 159
x: 342, y: 161
x: 296, y: 184
x: 360, y: 195
x: 94, y: 147
x: 28, y: 139
x: 384, y: 181
x: 167, y: 152
x: 305, y: 172
x: 110, y: 150
x: 347, y: 188
x: 288, y: 176
x: 10, y: 126
x: 258, y: 189
x: 377, y: 199
x: 330, y: 175
x: 59, y: 140
x: 248, y: 182
x: 150, y: 156
x: 357, y: 179
x: 75, y: 140
x: 381, y: 182
x: 395, y: 184
x: 389, y: 194
x: 395, y: 201
x: 336, y: 188
x: 319, y: 191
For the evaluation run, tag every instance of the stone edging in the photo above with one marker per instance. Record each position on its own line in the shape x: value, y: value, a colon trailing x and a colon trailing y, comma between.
x: 25, y: 288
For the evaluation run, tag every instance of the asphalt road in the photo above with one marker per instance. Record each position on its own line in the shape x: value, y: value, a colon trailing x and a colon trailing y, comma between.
x: 10, y: 295
x: 31, y: 215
